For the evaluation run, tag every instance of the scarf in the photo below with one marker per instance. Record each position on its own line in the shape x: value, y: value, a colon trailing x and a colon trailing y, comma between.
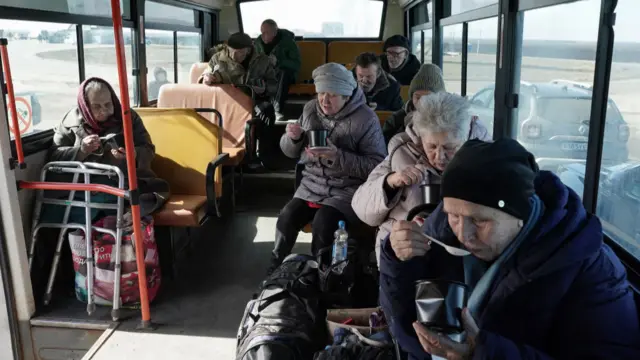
x: 85, y: 107
x: 483, y: 283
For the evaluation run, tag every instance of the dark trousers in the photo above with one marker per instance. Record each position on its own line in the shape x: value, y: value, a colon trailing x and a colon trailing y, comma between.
x: 294, y: 216
x: 286, y: 79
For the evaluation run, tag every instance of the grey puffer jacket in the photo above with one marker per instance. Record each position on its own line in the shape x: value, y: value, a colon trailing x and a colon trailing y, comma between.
x: 356, y: 132
x: 370, y: 201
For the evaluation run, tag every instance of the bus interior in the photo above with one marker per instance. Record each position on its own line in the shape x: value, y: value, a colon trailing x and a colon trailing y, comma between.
x: 516, y: 61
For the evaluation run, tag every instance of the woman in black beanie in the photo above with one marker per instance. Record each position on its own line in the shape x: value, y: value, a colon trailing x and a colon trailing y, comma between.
x: 542, y: 282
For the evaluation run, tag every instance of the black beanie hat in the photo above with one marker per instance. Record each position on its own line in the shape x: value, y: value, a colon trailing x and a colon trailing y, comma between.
x: 240, y: 41
x: 396, y: 40
x: 499, y: 175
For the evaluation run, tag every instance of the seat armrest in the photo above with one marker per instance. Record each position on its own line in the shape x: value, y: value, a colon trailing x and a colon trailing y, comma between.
x: 212, y: 195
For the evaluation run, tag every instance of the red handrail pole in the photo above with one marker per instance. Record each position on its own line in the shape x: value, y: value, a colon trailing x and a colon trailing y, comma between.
x: 12, y: 100
x: 131, y: 161
x: 37, y: 185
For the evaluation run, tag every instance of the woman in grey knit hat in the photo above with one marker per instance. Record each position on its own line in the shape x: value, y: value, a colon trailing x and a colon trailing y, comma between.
x: 331, y: 175
x: 428, y: 80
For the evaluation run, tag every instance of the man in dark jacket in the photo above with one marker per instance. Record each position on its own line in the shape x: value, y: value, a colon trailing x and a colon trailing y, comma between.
x: 428, y: 80
x: 280, y: 46
x: 542, y: 283
x: 398, y: 59
x: 380, y: 88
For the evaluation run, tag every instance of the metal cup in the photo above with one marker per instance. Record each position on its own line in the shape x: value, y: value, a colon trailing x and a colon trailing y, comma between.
x: 317, y: 138
x: 439, y: 305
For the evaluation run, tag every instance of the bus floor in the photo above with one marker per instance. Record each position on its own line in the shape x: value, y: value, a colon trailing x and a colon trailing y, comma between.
x: 199, y: 310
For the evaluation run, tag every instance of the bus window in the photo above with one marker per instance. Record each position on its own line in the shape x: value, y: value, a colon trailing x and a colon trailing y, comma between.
x: 331, y: 18
x: 100, y: 57
x: 44, y: 67
x: 452, y: 60
x: 416, y: 46
x: 619, y: 197
x: 188, y: 53
x: 482, y: 49
x: 557, y: 68
x: 428, y: 36
x: 460, y: 6
x: 84, y: 7
x: 159, y: 60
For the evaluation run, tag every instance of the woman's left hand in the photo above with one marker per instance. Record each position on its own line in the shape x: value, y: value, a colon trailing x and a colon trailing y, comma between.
x: 119, y: 154
x: 442, y: 346
x: 329, y: 153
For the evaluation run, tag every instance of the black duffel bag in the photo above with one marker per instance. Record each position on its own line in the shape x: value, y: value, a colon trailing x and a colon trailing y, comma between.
x: 285, y: 322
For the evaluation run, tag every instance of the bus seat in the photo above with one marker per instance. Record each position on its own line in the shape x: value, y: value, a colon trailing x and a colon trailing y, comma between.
x: 196, y: 71
x: 383, y: 116
x: 189, y: 157
x: 345, y: 52
x: 404, y: 93
x: 234, y: 105
x: 312, y: 55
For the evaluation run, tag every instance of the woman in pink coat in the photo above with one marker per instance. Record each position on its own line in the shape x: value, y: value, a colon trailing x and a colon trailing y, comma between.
x: 440, y: 125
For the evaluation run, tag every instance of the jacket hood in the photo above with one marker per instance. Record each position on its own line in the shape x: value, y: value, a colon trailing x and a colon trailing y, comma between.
x: 563, y: 236
x: 286, y: 34
x: 356, y: 101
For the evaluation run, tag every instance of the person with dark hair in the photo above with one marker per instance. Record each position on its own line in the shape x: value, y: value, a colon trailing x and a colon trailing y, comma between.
x: 382, y: 91
x: 281, y: 48
x: 542, y: 283
x: 398, y: 59
x: 238, y: 63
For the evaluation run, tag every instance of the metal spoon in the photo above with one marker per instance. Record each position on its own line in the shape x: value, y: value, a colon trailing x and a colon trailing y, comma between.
x: 450, y: 249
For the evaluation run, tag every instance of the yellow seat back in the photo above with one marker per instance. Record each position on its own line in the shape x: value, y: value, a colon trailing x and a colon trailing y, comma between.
x: 312, y: 55
x: 404, y: 93
x: 383, y: 116
x: 185, y: 145
x: 345, y: 52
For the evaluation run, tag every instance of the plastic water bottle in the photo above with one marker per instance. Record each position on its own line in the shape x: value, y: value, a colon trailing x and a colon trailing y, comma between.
x: 340, y: 248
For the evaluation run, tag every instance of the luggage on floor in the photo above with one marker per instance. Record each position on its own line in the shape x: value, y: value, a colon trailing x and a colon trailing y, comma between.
x: 350, y: 344
x: 285, y: 322
x: 104, y: 252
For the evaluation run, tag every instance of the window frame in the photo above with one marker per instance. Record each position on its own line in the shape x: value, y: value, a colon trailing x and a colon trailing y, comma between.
x: 206, y: 25
x: 383, y: 19
x: 510, y: 33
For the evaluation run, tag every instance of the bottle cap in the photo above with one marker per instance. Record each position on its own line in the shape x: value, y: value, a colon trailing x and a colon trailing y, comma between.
x: 341, y: 224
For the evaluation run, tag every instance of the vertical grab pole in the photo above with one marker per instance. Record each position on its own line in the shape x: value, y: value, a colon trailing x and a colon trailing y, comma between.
x: 131, y: 162
x: 12, y: 102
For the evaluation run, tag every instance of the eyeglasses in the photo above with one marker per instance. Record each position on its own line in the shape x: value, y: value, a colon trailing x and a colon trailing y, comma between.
x: 396, y: 54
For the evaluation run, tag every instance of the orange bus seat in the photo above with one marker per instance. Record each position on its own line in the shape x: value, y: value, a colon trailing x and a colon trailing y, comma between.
x: 312, y: 55
x: 404, y: 93
x: 345, y: 52
x: 383, y: 116
x: 196, y: 71
x: 189, y: 157
x: 233, y: 104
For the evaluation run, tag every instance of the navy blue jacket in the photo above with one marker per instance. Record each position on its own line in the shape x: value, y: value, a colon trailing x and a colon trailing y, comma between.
x: 563, y: 294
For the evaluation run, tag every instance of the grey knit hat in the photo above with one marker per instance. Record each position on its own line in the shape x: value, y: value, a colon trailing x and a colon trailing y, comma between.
x: 334, y: 78
x: 429, y: 77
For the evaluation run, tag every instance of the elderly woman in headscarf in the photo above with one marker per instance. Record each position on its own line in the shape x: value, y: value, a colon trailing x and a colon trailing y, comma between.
x: 93, y: 132
x: 428, y: 80
x: 418, y: 156
x: 331, y: 176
